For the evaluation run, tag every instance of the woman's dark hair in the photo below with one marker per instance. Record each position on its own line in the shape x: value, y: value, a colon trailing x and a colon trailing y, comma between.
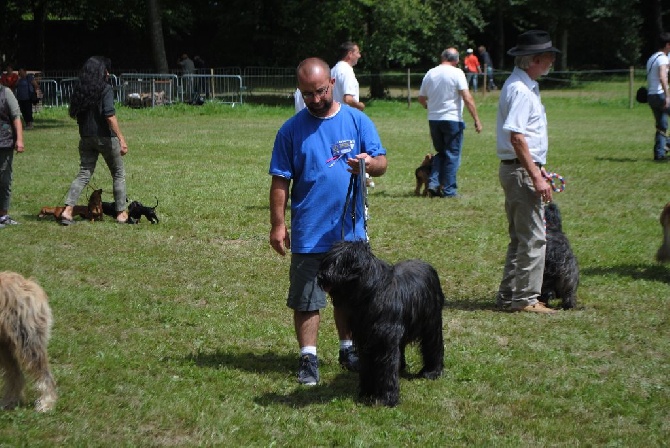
x: 92, y: 82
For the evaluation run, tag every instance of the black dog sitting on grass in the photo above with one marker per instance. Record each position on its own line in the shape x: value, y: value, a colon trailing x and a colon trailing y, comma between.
x: 388, y: 306
x: 561, y: 271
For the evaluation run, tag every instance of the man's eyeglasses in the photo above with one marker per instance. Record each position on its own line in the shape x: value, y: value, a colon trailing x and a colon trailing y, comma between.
x: 319, y: 92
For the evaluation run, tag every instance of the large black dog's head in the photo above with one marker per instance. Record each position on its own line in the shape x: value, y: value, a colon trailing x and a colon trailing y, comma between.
x: 552, y: 217
x: 348, y: 269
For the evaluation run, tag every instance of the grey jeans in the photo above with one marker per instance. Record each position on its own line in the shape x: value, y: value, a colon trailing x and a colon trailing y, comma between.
x: 6, y: 158
x: 89, y: 150
x: 524, y: 263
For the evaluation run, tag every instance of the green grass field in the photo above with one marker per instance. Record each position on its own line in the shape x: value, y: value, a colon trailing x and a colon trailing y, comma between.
x: 177, y: 334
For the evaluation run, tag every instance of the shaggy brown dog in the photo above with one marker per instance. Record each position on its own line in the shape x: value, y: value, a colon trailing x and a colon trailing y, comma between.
x: 79, y: 210
x: 25, y: 325
x: 422, y: 173
x: 663, y: 254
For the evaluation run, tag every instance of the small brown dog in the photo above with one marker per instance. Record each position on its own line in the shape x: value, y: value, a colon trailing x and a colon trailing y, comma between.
x: 93, y: 211
x: 422, y: 173
x: 25, y: 327
x: 95, y: 206
x: 663, y: 254
x: 79, y: 210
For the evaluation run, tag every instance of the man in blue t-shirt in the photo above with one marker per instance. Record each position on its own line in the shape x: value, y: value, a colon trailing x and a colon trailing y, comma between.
x: 315, y: 153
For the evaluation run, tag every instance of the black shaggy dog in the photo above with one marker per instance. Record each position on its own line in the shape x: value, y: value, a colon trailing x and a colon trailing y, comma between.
x: 561, y: 272
x: 388, y: 307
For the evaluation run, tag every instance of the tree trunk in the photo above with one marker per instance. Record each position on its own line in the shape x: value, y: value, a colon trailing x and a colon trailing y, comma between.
x: 563, y: 63
x: 39, y: 19
x: 156, y: 37
x: 499, y: 50
x: 377, y: 89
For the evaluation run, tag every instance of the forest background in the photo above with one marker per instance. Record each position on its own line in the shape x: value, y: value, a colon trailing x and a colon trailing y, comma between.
x: 149, y: 35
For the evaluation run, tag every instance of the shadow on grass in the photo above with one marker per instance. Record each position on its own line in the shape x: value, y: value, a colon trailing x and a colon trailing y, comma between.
x: 477, y: 304
x: 249, y: 362
x: 46, y: 123
x: 616, y: 159
x: 343, y: 386
x: 653, y: 272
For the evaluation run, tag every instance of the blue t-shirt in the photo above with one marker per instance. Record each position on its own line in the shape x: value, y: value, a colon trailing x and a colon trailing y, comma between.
x: 312, y: 153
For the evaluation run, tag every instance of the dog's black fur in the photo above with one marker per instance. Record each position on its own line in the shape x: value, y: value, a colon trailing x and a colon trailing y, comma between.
x: 388, y: 307
x: 136, y: 210
x: 561, y: 271
x: 109, y: 209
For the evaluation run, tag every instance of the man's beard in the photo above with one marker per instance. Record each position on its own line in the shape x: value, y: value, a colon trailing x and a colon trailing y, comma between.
x: 321, y: 108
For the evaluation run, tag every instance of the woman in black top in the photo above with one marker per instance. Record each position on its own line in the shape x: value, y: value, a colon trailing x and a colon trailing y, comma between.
x: 92, y: 105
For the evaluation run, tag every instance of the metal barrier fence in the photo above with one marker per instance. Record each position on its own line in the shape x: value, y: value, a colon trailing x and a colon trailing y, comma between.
x: 147, y: 89
x: 50, y: 92
x: 227, y: 89
x: 234, y: 85
x: 269, y: 80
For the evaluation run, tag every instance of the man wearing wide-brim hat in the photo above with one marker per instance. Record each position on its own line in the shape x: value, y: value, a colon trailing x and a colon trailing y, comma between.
x: 522, y: 146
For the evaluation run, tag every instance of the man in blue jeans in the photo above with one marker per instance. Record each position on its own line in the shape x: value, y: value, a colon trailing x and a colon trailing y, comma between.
x: 659, y: 97
x: 443, y: 92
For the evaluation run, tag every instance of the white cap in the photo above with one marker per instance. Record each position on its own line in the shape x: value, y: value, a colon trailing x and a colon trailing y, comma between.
x: 469, y: 50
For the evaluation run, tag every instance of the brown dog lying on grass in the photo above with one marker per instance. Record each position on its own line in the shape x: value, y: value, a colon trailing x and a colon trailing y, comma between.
x: 92, y: 211
x: 79, y: 210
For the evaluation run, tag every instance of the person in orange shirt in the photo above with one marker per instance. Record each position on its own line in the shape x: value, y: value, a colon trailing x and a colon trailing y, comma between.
x: 9, y: 78
x: 472, y: 68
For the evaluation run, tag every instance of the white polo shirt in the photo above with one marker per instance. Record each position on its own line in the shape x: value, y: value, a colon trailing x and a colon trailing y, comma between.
x: 442, y: 86
x: 520, y: 110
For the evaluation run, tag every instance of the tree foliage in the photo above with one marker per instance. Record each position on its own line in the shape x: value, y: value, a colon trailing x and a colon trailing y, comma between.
x: 392, y: 33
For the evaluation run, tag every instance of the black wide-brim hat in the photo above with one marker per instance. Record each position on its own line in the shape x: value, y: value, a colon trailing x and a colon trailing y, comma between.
x: 532, y: 42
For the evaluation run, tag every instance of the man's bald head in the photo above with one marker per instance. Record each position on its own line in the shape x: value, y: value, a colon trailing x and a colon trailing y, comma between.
x: 316, y: 86
x: 312, y: 68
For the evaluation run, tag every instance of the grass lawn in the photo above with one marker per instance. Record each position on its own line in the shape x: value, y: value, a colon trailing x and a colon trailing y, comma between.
x: 177, y: 334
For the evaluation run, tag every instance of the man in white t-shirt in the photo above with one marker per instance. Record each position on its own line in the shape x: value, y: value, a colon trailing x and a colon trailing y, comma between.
x: 659, y: 97
x: 443, y: 92
x: 346, y: 88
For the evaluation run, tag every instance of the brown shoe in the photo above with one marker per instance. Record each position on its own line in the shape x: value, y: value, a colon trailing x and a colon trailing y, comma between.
x: 539, y: 307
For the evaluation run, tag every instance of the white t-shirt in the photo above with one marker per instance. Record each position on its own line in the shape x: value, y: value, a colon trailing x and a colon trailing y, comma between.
x: 656, y: 60
x: 298, y: 101
x: 442, y: 86
x: 345, y: 81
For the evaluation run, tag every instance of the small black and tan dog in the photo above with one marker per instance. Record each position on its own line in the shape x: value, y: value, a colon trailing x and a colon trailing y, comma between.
x: 388, y: 307
x: 561, y: 271
x: 136, y: 210
x: 422, y: 173
x: 663, y: 253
